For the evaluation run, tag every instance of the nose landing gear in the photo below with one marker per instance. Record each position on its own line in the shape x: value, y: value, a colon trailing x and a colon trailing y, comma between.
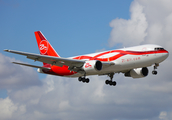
x: 154, y: 72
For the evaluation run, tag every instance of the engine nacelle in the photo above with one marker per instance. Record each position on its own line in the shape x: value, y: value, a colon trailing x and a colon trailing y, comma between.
x: 45, y: 71
x: 137, y: 73
x: 92, y: 66
x: 40, y: 70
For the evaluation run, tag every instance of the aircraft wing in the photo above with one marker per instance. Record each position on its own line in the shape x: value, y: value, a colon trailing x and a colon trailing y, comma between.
x: 58, y: 61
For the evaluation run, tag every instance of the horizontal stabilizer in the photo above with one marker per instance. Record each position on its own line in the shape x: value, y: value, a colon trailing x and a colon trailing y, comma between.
x: 31, y: 65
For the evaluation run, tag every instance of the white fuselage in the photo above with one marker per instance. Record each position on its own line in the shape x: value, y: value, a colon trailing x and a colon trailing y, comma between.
x: 126, y: 58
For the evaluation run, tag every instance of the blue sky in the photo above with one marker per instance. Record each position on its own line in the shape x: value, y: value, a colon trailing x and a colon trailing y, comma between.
x: 76, y: 27
x: 73, y: 27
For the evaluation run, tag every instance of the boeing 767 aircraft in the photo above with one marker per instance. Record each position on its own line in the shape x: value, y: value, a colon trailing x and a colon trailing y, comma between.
x: 132, y: 61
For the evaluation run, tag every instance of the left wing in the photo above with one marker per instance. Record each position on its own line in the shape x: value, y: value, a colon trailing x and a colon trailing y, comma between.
x: 58, y: 61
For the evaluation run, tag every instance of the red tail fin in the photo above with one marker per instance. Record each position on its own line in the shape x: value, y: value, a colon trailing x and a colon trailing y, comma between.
x: 44, y: 46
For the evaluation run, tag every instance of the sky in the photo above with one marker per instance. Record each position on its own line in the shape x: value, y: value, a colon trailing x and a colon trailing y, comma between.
x: 79, y: 27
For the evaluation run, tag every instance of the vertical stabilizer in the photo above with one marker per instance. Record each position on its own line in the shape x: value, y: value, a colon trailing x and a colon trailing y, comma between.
x: 44, y: 46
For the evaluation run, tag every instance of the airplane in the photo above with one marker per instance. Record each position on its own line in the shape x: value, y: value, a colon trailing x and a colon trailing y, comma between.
x: 131, y: 61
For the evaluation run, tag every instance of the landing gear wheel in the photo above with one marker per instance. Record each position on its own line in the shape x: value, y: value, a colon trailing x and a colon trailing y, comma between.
x: 111, y: 83
x: 107, y: 82
x: 154, y: 72
x: 80, y: 79
x: 83, y: 79
x: 114, y: 83
x: 87, y: 80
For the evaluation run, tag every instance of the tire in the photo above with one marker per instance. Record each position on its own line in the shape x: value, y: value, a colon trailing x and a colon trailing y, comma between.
x: 107, y: 82
x: 114, y: 83
x: 87, y: 80
x: 110, y: 83
x: 80, y: 79
x: 154, y: 72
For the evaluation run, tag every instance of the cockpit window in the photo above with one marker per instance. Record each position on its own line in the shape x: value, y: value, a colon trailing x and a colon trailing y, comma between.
x: 159, y: 48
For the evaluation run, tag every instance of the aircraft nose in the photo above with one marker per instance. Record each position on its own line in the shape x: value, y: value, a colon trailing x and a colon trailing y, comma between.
x: 166, y: 54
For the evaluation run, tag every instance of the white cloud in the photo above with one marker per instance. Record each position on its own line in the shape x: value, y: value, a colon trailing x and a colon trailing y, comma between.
x: 163, y: 115
x: 159, y: 17
x: 15, y: 76
x: 71, y: 99
x: 151, y: 22
x: 132, y: 31
x: 6, y: 108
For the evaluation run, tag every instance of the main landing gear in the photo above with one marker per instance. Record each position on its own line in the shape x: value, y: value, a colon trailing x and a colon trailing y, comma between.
x: 110, y: 82
x: 154, y: 72
x: 84, y: 80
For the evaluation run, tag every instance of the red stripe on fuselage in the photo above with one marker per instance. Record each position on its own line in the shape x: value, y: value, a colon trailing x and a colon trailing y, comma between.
x: 121, y: 53
x: 63, y: 71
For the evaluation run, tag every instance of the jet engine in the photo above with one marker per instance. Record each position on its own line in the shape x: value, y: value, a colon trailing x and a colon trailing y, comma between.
x: 40, y: 70
x: 137, y: 73
x: 92, y: 66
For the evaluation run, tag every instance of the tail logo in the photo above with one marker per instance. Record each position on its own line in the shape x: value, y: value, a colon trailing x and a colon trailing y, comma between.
x: 43, y: 47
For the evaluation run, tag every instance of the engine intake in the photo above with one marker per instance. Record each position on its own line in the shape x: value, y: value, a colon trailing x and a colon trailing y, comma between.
x: 92, y: 66
x: 137, y: 73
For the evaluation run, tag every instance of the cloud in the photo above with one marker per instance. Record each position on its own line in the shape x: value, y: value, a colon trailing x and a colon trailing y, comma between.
x: 150, y: 23
x: 70, y: 99
x: 59, y: 98
x: 15, y: 76
x: 6, y: 108
x: 159, y: 17
x: 132, y: 31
